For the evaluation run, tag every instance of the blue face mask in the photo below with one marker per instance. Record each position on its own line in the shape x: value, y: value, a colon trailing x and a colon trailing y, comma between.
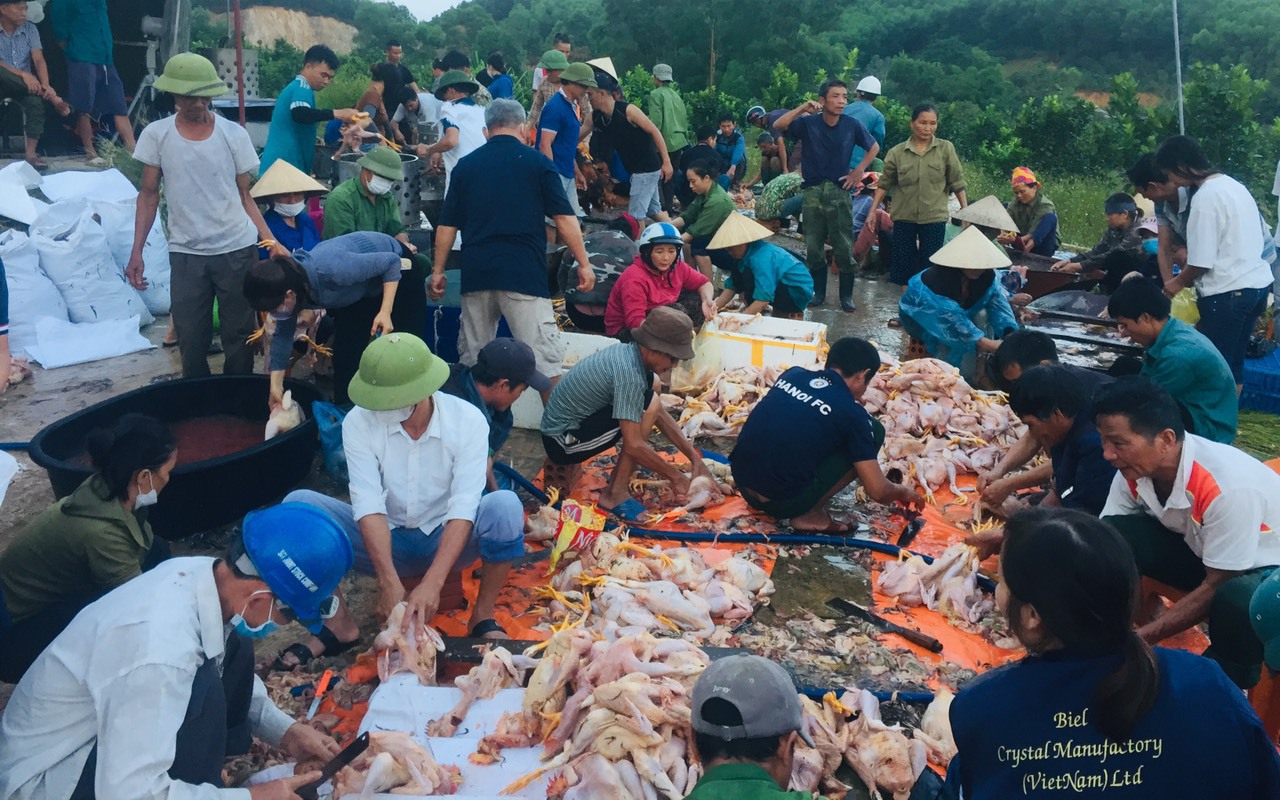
x: 260, y: 632
x: 1150, y: 246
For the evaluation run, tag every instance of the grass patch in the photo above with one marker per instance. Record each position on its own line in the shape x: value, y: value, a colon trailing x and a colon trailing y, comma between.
x: 1258, y: 434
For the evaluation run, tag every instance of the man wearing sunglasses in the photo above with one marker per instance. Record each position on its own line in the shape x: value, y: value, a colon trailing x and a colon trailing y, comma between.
x: 149, y: 689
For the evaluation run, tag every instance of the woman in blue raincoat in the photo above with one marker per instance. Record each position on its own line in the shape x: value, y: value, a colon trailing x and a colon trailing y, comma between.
x: 957, y: 307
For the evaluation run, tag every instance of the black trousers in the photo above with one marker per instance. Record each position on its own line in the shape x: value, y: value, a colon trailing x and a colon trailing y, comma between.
x: 22, y: 642
x: 216, y: 725
x: 351, y: 324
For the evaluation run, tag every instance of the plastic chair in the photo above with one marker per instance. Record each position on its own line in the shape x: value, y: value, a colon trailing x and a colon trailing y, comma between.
x: 1264, y: 697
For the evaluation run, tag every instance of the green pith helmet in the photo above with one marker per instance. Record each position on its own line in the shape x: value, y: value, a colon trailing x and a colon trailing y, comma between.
x: 553, y: 59
x: 581, y: 74
x: 191, y: 75
x: 457, y: 79
x: 383, y: 161
x: 397, y: 371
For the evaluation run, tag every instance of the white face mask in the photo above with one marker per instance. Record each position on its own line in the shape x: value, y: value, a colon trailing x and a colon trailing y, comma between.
x: 379, y: 185
x: 149, y: 498
x: 290, y: 209
x: 395, y: 416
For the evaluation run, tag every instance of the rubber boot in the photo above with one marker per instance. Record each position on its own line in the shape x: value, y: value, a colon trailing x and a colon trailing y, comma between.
x: 819, y: 286
x: 846, y: 292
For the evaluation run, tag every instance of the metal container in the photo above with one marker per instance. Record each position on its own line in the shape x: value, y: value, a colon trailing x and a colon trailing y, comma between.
x: 407, y: 190
x: 224, y: 60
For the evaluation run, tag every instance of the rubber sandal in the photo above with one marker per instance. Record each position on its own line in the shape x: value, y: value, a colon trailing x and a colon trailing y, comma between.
x: 834, y: 527
x: 629, y: 510
x: 332, y: 646
x: 486, y: 626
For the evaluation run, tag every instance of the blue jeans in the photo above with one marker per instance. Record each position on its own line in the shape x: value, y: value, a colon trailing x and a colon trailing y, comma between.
x: 497, y: 535
x: 1227, y: 320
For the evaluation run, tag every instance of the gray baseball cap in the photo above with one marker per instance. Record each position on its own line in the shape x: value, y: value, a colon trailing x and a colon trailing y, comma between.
x: 759, y: 689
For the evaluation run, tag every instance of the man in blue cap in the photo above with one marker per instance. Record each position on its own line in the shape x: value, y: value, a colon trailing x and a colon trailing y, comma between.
x: 146, y: 693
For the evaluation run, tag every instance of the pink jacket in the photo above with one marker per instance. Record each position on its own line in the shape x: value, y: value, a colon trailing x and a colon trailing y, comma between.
x: 641, y: 288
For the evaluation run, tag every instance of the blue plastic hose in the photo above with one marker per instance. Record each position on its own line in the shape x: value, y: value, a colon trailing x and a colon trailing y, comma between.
x: 745, y: 538
x: 814, y: 693
x: 15, y: 445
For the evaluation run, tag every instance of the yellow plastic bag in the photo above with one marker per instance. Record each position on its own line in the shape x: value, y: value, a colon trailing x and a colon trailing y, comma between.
x: 1185, y: 308
x: 580, y: 524
x: 701, y: 370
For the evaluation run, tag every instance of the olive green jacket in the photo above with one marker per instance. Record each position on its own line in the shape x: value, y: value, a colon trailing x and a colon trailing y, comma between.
x: 82, y: 545
x: 921, y: 182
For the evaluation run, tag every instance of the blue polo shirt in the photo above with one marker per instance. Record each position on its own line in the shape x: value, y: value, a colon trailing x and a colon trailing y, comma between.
x: 806, y: 417
x: 775, y: 269
x: 462, y: 385
x: 560, y: 117
x: 498, y: 196
x: 286, y: 139
x: 828, y: 148
x: 1026, y: 730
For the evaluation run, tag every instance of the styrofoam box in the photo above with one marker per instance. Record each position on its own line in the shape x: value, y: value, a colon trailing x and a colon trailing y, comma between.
x: 527, y: 411
x: 771, y: 341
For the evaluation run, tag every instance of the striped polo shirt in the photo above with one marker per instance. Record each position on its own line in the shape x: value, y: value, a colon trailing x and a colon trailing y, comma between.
x: 613, y: 377
x: 1225, y: 504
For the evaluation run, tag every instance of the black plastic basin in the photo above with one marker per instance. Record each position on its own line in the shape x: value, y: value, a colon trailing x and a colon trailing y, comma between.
x: 201, y: 495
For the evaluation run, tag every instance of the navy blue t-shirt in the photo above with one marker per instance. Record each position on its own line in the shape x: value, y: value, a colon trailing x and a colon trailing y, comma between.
x: 828, y: 148
x: 498, y: 196
x: 1026, y: 731
x: 807, y: 416
x: 560, y: 117
x: 1081, y: 476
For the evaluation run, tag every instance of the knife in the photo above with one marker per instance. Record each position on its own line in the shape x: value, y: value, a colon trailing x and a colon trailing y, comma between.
x: 348, y: 754
x: 915, y: 637
x: 321, y: 688
x: 910, y: 531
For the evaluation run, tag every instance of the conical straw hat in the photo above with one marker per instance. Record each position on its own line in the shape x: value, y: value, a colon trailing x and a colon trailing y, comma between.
x: 971, y: 250
x: 605, y: 63
x: 737, y: 229
x: 988, y: 212
x: 282, y: 178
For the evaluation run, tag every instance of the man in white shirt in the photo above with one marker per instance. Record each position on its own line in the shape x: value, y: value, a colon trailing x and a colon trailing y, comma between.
x: 148, y: 690
x: 206, y: 162
x: 1225, y: 240
x: 417, y: 460
x: 461, y: 122
x: 1201, y: 517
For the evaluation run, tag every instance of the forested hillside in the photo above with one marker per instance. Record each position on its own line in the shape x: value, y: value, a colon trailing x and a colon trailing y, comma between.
x: 1009, y: 74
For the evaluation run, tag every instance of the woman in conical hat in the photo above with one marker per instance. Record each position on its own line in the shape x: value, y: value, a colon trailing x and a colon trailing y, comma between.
x: 763, y: 273
x: 284, y: 189
x: 956, y: 307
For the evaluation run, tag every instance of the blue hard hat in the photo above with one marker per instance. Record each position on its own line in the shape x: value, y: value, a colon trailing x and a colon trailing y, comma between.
x: 301, y: 553
x: 660, y: 233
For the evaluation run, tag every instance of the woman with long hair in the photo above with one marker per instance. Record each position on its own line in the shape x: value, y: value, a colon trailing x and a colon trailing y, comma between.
x: 1092, y: 708
x: 356, y: 277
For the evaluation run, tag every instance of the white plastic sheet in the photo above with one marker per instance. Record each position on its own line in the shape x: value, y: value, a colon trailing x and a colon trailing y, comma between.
x: 60, y: 343
x: 109, y: 184
x: 31, y: 293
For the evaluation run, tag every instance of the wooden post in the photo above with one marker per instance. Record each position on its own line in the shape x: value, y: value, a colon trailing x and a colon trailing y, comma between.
x: 239, y: 34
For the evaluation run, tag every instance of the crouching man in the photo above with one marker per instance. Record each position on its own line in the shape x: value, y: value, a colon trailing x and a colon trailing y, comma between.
x: 417, y: 460
x: 612, y: 396
x: 810, y: 437
x: 150, y: 689
x: 1201, y: 517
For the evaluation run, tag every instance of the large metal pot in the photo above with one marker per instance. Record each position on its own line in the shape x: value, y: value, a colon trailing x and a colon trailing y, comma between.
x: 407, y: 190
